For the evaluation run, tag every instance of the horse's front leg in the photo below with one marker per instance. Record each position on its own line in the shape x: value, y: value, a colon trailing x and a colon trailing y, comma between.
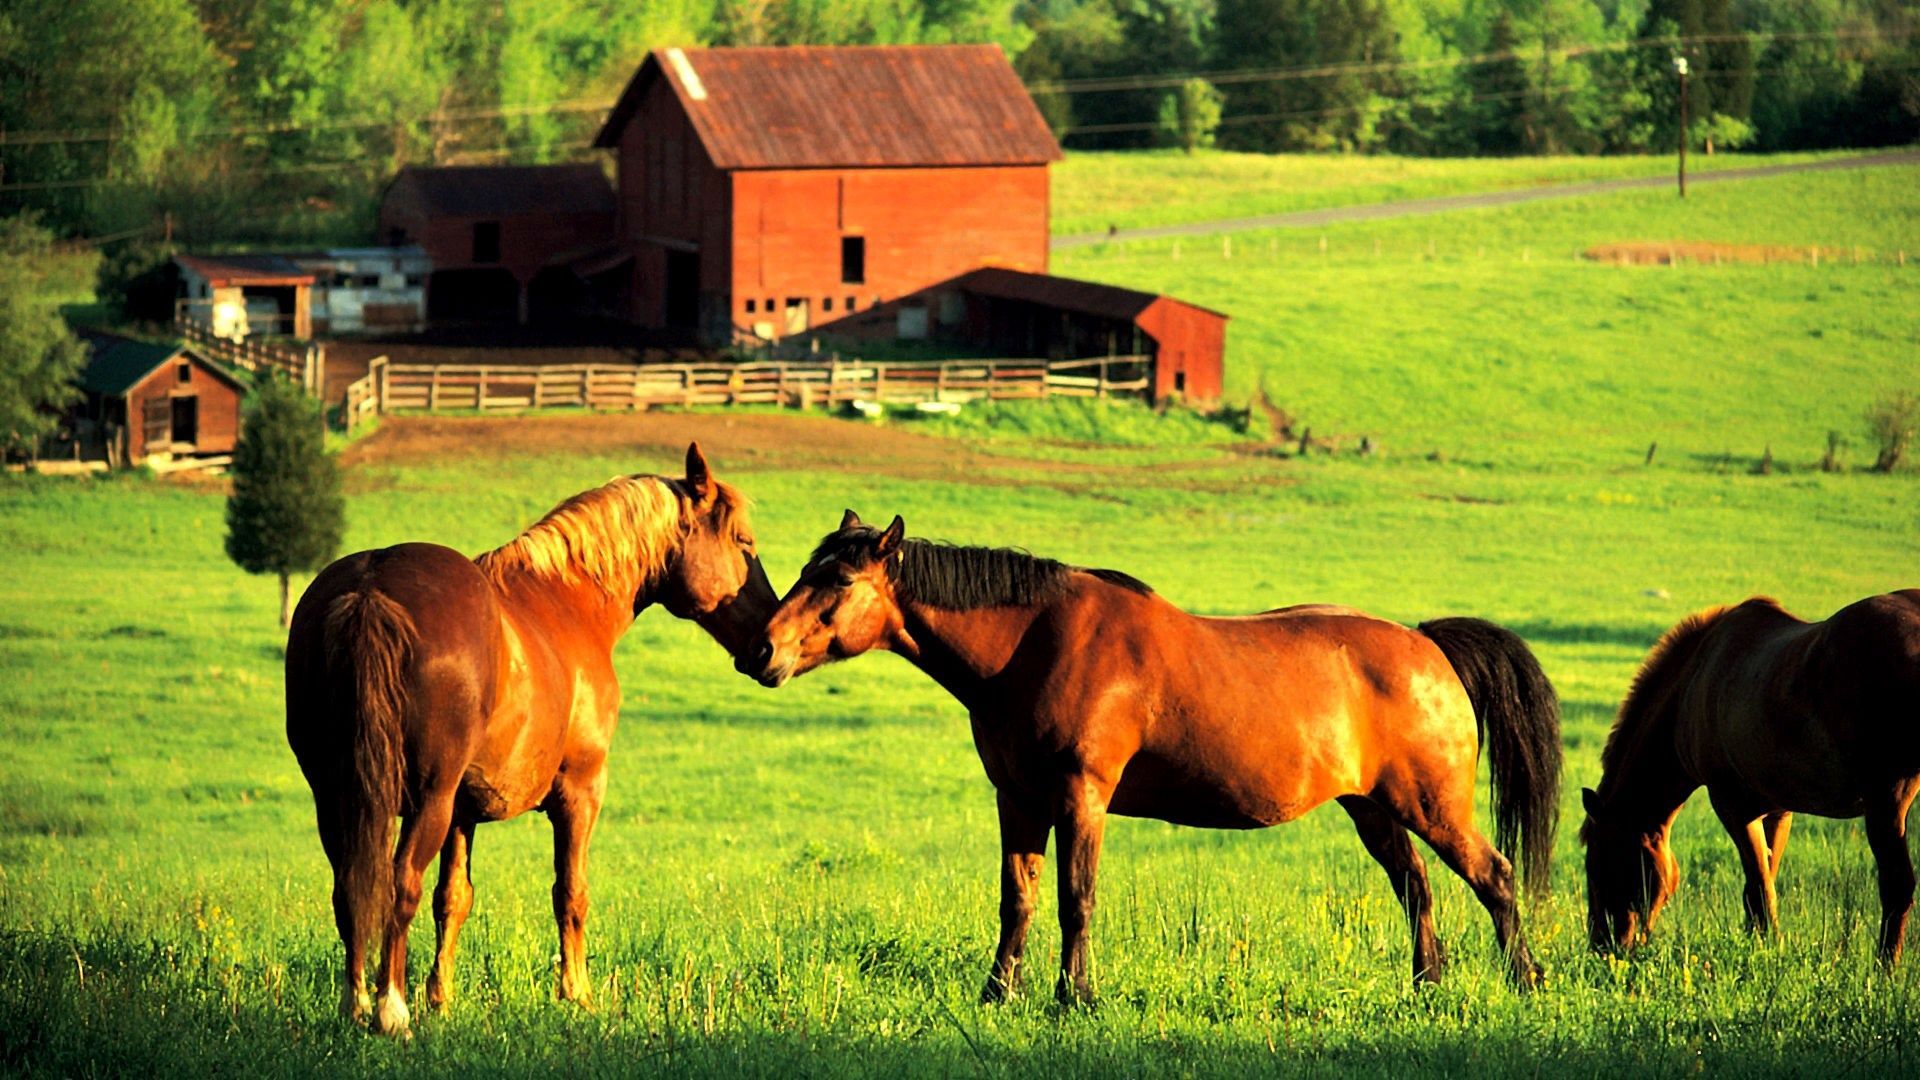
x: 1080, y: 821
x: 573, y: 807
x: 1743, y: 823
x: 452, y: 901
x: 1887, y: 836
x: 1023, y: 847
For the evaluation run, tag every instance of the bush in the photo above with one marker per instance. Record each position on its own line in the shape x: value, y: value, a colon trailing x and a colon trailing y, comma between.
x: 286, y: 513
x: 1893, y: 422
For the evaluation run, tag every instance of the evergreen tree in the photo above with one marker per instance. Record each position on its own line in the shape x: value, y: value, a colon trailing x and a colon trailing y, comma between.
x: 286, y: 514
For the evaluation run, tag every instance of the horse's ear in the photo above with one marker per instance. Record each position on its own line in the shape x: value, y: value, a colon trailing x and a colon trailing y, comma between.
x: 1590, y: 799
x: 699, y: 477
x: 890, y: 540
x: 849, y: 520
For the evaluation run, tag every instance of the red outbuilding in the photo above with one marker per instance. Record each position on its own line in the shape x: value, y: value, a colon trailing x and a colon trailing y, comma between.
x: 765, y: 192
x: 500, y: 237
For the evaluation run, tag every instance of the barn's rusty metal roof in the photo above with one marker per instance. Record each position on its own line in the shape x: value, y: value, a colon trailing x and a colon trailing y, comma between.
x: 505, y: 190
x: 250, y: 269
x: 856, y: 106
x: 1065, y: 294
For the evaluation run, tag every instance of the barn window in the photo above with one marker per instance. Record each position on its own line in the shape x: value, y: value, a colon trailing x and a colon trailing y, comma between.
x: 396, y: 237
x: 749, y: 307
x: 849, y: 303
x: 1179, y: 382
x: 769, y: 305
x: 826, y: 303
x: 369, y: 281
x: 184, y: 372
x: 486, y: 241
x: 853, y: 260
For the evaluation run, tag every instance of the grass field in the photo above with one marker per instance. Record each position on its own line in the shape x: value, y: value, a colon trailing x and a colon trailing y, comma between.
x: 1134, y: 189
x: 803, y: 881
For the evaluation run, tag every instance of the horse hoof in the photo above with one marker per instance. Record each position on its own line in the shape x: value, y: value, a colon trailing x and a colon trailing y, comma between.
x: 996, y: 992
x: 1073, y: 997
x: 1529, y: 978
x: 393, y: 1019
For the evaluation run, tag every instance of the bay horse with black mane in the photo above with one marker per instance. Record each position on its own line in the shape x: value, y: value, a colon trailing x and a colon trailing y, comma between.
x: 1774, y: 716
x: 1090, y: 695
x: 448, y: 691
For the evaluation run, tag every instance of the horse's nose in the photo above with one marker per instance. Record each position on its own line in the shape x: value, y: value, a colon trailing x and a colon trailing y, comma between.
x: 760, y: 655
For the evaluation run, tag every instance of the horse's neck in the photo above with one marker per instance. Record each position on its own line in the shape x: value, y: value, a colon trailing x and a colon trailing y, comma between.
x: 1650, y: 783
x: 963, y: 650
x: 575, y: 608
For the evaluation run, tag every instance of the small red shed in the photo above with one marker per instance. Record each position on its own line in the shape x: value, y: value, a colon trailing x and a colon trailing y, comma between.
x: 765, y: 192
x: 144, y: 398
x: 498, y: 235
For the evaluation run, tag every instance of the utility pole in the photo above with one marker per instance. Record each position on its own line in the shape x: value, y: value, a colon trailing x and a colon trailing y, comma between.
x: 1680, y: 68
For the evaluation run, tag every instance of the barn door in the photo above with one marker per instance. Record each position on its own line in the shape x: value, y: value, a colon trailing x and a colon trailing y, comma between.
x: 156, y: 424
x: 683, y: 290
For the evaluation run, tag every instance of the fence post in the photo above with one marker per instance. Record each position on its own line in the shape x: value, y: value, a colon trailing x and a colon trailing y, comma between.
x: 381, y: 404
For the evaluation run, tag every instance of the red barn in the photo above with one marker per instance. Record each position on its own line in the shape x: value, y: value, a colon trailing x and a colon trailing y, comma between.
x: 496, y: 233
x: 764, y: 192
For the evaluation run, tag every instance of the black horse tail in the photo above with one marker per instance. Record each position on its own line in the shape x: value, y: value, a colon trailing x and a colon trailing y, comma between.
x: 1518, y: 714
x: 370, y: 641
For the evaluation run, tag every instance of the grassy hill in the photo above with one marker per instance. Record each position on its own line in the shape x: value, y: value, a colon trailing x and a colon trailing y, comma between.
x: 804, y: 880
x: 1486, y: 334
x: 1134, y: 189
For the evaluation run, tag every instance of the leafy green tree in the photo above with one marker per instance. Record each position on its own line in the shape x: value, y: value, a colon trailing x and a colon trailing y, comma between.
x: 286, y: 514
x: 1502, y: 120
x: 1191, y: 114
x: 39, y: 356
x: 1344, y: 47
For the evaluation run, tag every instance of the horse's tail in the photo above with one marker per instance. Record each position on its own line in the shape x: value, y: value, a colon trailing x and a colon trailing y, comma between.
x: 369, y: 641
x: 1519, y: 720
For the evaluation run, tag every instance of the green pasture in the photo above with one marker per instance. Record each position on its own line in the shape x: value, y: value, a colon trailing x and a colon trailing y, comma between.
x: 1138, y: 188
x: 804, y: 881
x: 1487, y: 336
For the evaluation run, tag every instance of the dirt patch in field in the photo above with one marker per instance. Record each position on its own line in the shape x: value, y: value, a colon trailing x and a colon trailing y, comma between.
x: 1668, y: 252
x: 743, y: 440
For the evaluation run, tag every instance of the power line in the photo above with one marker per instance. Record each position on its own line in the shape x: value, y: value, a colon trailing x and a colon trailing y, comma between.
x: 1383, y: 67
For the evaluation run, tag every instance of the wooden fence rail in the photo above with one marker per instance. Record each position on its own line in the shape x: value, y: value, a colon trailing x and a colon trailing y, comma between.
x: 305, y: 363
x: 799, y: 384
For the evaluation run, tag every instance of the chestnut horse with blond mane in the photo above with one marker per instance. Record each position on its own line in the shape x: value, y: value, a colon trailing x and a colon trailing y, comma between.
x: 448, y: 691
x: 1090, y: 695
x: 1774, y: 716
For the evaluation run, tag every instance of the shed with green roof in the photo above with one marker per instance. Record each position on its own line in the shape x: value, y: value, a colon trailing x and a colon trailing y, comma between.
x: 147, y: 398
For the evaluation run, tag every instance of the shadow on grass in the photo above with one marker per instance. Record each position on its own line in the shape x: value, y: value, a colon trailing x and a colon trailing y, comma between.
x: 1637, y: 636
x: 118, y: 1007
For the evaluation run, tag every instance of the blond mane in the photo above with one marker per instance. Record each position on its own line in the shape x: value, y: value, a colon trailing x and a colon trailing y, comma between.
x: 618, y: 537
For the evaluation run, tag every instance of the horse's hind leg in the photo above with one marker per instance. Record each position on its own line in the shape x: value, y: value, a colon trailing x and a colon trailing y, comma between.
x: 1023, y: 847
x: 1777, y: 825
x: 1392, y: 847
x: 355, y: 1003
x: 452, y: 900
x: 1887, y: 836
x: 420, y: 838
x: 1471, y: 855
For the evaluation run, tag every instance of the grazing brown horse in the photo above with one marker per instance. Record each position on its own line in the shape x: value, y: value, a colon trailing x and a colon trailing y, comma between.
x: 1091, y: 695
x: 449, y: 691
x: 1773, y: 716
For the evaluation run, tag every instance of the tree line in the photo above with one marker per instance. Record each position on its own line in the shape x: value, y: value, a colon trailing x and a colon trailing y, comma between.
x: 278, y: 120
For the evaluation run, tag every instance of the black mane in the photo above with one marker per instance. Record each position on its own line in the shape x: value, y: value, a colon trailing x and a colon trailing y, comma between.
x: 960, y: 578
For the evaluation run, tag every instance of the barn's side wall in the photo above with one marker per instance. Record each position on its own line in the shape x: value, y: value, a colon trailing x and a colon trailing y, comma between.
x: 672, y: 198
x: 218, y: 411
x: 1192, y: 343
x: 921, y: 226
